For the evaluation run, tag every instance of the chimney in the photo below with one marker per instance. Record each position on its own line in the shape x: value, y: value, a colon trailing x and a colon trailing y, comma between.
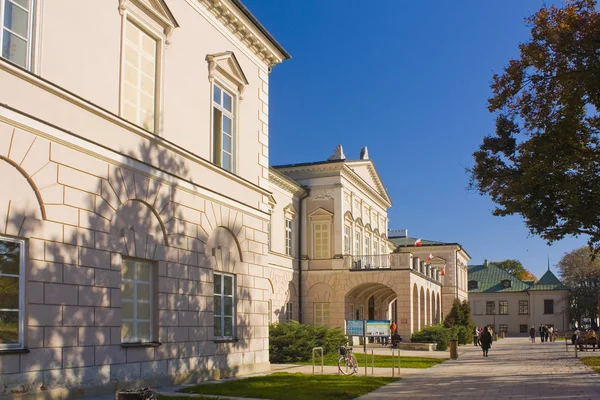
x: 485, y: 263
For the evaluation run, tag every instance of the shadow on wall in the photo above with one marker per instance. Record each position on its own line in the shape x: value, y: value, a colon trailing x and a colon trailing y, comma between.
x: 81, y: 301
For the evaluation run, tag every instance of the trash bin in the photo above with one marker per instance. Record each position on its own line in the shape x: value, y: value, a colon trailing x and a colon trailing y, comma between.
x: 136, y: 394
x: 453, y: 349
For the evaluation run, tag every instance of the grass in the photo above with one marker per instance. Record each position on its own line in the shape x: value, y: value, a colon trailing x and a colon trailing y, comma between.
x: 593, y: 361
x: 380, y: 361
x: 286, y: 386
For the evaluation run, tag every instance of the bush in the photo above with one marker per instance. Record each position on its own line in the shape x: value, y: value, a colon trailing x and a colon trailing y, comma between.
x: 293, y: 342
x: 463, y: 335
x: 433, y: 334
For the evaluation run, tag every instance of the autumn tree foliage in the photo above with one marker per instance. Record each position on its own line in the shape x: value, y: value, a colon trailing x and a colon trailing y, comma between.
x: 514, y: 267
x: 543, y: 162
x: 581, y: 274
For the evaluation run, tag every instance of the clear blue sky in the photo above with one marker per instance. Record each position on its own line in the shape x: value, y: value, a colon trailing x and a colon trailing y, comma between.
x: 410, y: 80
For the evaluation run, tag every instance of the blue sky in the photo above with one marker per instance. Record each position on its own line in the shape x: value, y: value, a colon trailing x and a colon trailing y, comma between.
x: 410, y: 80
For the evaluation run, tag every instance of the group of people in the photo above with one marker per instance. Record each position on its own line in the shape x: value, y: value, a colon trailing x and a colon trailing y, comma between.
x: 584, y: 337
x: 483, y: 337
x: 547, y: 333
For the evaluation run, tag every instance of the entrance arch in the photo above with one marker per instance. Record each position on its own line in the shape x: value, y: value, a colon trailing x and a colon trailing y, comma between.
x: 422, y: 307
x: 415, y: 308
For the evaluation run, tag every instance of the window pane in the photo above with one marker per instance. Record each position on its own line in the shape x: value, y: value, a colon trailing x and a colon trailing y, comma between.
x: 228, y: 303
x: 127, y: 333
x: 226, y: 164
x: 227, y: 143
x: 143, y: 331
x: 228, y: 285
x: 217, y: 283
x: 217, y: 309
x: 127, y: 290
x: 148, y: 45
x: 10, y: 257
x: 143, y: 291
x: 127, y: 310
x: 14, y: 49
x: 218, y: 331
x: 132, y: 32
x: 22, y: 3
x: 217, y: 95
x: 226, y: 124
x: 127, y: 269
x: 16, y: 19
x: 143, y: 311
x: 9, y: 327
x: 228, y: 328
x: 143, y: 272
x: 227, y: 101
x: 9, y: 292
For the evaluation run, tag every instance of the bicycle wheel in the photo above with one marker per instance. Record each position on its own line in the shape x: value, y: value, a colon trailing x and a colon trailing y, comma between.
x: 348, y: 365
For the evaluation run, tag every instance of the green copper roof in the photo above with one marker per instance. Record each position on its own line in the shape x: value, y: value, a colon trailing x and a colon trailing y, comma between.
x: 549, y: 281
x: 490, y: 280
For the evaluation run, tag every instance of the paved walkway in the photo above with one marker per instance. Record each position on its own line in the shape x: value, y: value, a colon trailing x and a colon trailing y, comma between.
x: 515, y: 369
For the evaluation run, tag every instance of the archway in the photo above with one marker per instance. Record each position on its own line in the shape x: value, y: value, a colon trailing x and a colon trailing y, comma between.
x: 415, y: 308
x: 439, y: 310
x: 428, y: 314
x: 422, y: 307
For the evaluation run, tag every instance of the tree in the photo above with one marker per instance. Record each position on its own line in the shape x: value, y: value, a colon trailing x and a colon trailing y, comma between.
x: 581, y: 274
x: 543, y: 161
x: 514, y: 267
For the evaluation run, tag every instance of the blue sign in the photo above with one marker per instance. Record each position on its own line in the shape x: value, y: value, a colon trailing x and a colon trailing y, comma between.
x: 355, y: 328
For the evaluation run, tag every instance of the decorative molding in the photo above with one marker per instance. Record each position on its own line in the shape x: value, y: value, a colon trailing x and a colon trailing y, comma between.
x: 285, y: 183
x: 242, y: 28
x: 290, y: 212
x: 227, y: 65
x: 157, y: 10
x: 321, y: 194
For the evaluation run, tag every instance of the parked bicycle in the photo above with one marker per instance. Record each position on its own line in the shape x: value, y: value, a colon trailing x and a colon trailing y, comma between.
x: 347, y: 363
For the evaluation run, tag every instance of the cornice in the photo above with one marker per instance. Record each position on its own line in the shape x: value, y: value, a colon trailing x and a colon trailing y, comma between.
x: 285, y: 183
x: 353, y: 177
x: 233, y: 18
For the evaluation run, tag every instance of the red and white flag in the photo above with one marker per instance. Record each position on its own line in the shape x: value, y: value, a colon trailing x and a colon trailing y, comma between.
x: 430, y: 257
x: 418, y: 243
x: 443, y: 272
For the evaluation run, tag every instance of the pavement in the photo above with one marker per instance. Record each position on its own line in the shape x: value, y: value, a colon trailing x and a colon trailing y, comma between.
x: 515, y: 369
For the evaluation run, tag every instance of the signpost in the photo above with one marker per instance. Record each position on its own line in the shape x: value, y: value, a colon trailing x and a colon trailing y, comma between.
x: 367, y: 329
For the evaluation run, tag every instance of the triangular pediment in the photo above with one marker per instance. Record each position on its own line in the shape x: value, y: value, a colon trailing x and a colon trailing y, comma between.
x: 368, y: 173
x: 320, y: 212
x: 157, y: 9
x: 227, y: 64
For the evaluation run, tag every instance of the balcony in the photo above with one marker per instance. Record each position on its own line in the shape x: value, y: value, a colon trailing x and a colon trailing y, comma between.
x: 377, y: 261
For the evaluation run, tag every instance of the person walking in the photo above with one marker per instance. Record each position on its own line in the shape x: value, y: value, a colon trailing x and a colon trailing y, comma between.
x: 532, y: 334
x: 541, y: 329
x: 551, y: 333
x: 476, y: 336
x: 546, y: 334
x: 486, y: 341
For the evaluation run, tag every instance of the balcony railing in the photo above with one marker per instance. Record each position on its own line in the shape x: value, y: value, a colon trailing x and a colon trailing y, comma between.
x: 391, y: 261
x: 371, y: 262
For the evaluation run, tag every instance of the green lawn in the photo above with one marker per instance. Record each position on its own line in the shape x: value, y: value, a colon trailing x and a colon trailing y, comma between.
x: 593, y: 362
x: 286, y: 386
x: 381, y: 361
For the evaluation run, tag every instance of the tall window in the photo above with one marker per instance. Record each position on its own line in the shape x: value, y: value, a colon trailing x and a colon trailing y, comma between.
x: 223, y: 305
x: 17, y: 31
x: 503, y: 307
x: 137, y: 301
x: 289, y: 312
x: 12, y: 300
x: 321, y: 313
x: 288, y: 237
x: 523, y: 307
x: 358, y: 243
x: 223, y: 128
x: 139, y: 77
x: 548, y: 306
x: 490, y: 307
x: 321, y: 239
x: 367, y: 245
x: 347, y: 239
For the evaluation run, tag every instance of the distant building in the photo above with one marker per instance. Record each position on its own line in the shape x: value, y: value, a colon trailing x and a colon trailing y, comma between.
x: 510, y: 305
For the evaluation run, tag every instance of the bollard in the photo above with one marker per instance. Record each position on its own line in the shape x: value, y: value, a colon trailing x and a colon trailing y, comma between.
x: 453, y: 349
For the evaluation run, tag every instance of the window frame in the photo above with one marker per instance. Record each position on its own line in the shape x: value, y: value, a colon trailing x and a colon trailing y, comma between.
x: 503, y: 328
x: 493, y: 308
x: 22, y: 295
x: 324, y: 253
x: 222, y: 311
x: 503, y: 307
x: 322, y: 307
x: 233, y: 114
x: 523, y: 328
x: 289, y: 237
x: 135, y: 301
x: 158, y: 67
x: 523, y: 307
x: 31, y: 33
x: 546, y: 301
x: 347, y: 239
x: 289, y: 311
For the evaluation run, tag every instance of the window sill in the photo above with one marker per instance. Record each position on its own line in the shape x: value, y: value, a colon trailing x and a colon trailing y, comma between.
x: 14, y: 351
x: 140, y: 344
x: 226, y: 340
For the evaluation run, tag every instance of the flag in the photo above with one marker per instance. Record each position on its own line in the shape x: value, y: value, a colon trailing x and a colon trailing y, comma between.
x: 430, y: 257
x: 418, y: 243
x: 443, y: 272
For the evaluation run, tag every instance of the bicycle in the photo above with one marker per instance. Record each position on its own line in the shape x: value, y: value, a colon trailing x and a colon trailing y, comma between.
x: 347, y: 363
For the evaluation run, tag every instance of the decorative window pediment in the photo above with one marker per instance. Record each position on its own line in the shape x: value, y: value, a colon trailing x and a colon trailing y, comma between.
x: 227, y: 65
x: 290, y: 212
x: 348, y: 216
x: 321, y: 214
x: 157, y: 10
x: 272, y: 202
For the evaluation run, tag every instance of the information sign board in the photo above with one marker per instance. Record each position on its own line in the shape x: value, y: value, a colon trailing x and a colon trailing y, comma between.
x: 355, y: 328
x: 378, y: 328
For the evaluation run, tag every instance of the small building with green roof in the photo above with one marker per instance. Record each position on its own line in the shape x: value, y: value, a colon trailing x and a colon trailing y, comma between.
x: 510, y: 305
